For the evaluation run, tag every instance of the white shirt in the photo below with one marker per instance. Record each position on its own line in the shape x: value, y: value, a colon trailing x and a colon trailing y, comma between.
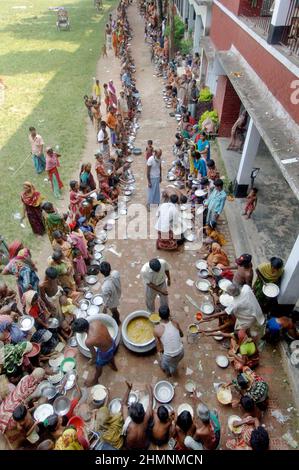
x: 111, y: 290
x: 154, y: 165
x: 246, y: 309
x: 167, y: 217
x: 101, y: 136
x: 150, y: 276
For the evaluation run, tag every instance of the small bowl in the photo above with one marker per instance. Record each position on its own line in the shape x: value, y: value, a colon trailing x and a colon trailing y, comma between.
x: 190, y: 386
x: 204, y: 273
x: 216, y: 272
x: 68, y: 364
x: 164, y: 391
x: 84, y: 304
x: 207, y: 308
x: 193, y: 329
x: 62, y: 405
x: 133, y: 398
x: 154, y: 318
x: 199, y: 316
x: 222, y: 361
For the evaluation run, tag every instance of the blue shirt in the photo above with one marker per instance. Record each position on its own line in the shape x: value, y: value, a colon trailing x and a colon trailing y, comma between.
x: 201, y: 146
x: 216, y: 201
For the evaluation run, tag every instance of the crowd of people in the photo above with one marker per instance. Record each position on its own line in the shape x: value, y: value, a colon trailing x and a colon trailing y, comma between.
x: 49, y: 305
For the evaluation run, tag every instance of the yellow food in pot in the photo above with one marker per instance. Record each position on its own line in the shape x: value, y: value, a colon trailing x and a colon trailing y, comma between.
x: 140, y: 330
x: 154, y: 317
x: 193, y: 329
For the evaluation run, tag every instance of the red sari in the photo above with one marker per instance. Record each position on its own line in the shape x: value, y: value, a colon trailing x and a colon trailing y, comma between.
x: 32, y: 204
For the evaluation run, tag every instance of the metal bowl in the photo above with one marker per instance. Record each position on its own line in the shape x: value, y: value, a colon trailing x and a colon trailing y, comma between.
x: 226, y: 299
x: 271, y: 290
x: 224, y: 284
x: 53, y: 323
x: 164, y: 391
x: 207, y: 308
x: 91, y: 280
x: 201, y: 264
x: 216, y: 271
x: 115, y: 406
x: 203, y: 273
x: 42, y: 412
x: 203, y: 285
x: 98, y: 250
x: 222, y: 361
x: 84, y: 304
x: 97, y: 300
x: 136, y: 347
x: 88, y: 295
x: 62, y: 405
x: 49, y: 391
x: 26, y: 322
x: 133, y: 398
x: 93, y: 310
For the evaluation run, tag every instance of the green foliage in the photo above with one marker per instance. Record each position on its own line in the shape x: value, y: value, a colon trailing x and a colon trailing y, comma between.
x: 186, y: 46
x: 213, y: 115
x: 179, y: 29
x: 205, y: 94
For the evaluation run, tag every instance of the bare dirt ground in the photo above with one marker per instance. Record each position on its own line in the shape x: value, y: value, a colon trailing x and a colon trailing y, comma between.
x: 199, y: 362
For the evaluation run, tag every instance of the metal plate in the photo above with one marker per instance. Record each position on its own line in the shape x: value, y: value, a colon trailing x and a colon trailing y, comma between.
x: 185, y: 407
x: 42, y: 412
x: 222, y: 361
x: 271, y: 290
x: 225, y: 300
x: 97, y: 300
x: 224, y: 284
x: 203, y: 285
x: 91, y: 280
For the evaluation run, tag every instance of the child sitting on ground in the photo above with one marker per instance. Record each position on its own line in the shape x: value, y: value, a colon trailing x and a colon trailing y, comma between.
x: 251, y: 203
x: 64, y: 331
x: 162, y: 424
x: 67, y: 308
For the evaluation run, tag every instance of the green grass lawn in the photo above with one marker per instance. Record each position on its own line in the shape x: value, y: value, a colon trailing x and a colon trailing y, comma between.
x: 46, y: 74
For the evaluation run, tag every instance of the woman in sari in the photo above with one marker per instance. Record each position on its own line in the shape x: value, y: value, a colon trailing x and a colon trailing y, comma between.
x: 213, y: 235
x: 243, y: 351
x: 53, y: 221
x: 52, y: 163
x: 68, y: 440
x: 112, y: 94
x: 237, y: 133
x: 32, y: 200
x: 64, y: 268
x: 35, y: 307
x: 80, y: 252
x: 252, y: 436
x: 115, y: 42
x: 102, y: 175
x: 76, y: 200
x: 267, y: 272
x: 86, y: 176
x: 23, y: 390
x: 217, y: 257
x: 61, y: 242
x: 21, y: 265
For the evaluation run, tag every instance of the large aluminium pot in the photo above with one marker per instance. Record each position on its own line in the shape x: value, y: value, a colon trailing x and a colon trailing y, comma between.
x: 111, y: 325
x: 136, y: 347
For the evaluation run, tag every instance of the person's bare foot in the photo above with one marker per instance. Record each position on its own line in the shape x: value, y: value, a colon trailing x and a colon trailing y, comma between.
x: 113, y: 365
x: 91, y: 382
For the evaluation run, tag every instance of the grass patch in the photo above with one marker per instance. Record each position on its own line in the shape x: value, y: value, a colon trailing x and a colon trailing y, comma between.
x: 46, y: 72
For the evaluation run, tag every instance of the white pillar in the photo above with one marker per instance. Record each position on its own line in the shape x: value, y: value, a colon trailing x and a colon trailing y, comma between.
x: 289, y: 289
x: 185, y: 10
x: 278, y: 20
x: 197, y: 33
x: 190, y: 18
x: 248, y: 156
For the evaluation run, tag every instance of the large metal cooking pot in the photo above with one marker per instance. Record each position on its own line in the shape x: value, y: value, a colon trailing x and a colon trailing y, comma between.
x: 111, y: 325
x: 138, y: 348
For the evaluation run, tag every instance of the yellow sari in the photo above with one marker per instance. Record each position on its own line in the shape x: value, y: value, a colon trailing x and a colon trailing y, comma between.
x: 68, y: 441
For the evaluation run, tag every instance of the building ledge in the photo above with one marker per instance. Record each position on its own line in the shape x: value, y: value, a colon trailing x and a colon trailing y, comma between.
x: 278, y: 130
x: 208, y: 47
